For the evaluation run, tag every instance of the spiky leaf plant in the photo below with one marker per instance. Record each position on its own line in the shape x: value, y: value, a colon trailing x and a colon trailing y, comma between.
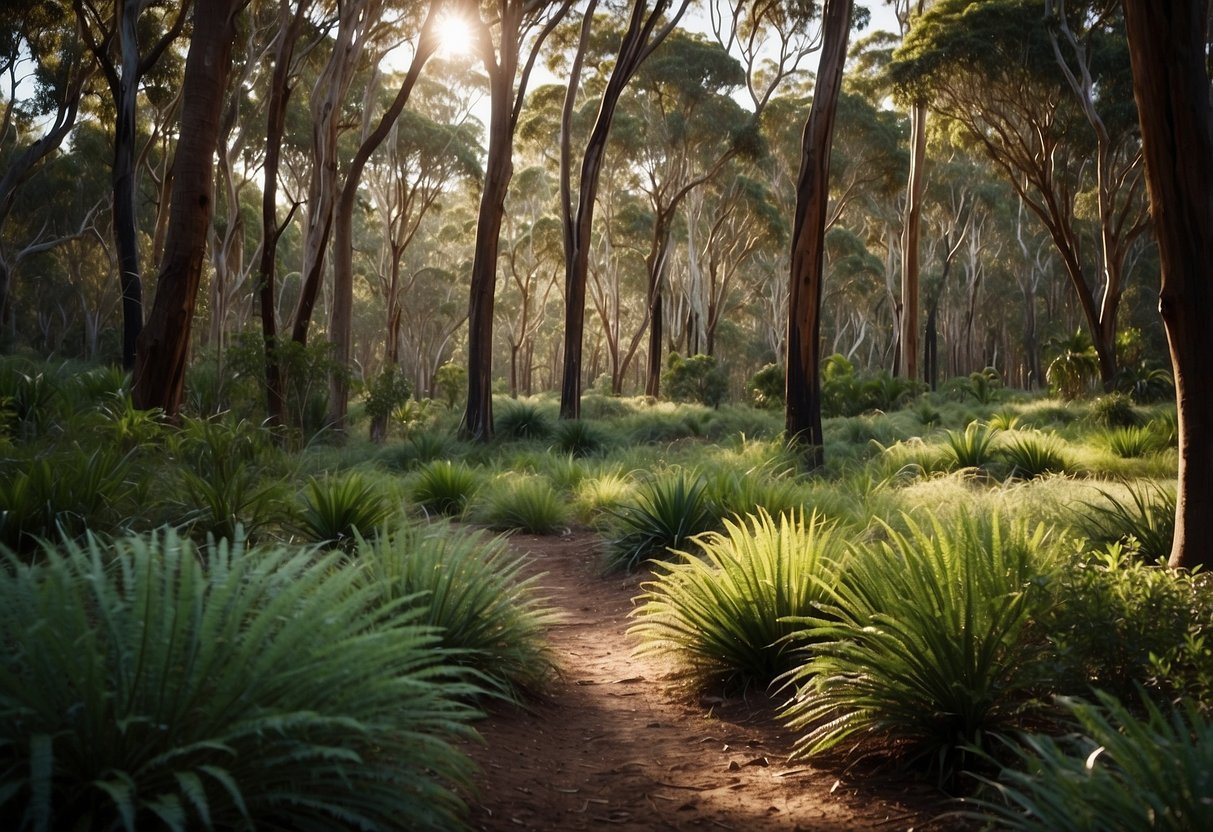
x: 1122, y: 772
x: 492, y: 616
x: 665, y: 513
x: 973, y: 447
x: 523, y: 420
x: 524, y: 503
x: 1145, y: 522
x: 153, y: 684
x: 579, y: 438
x: 445, y: 487
x: 1031, y: 455
x: 1132, y: 442
x: 335, y: 510
x: 924, y: 642
x: 727, y: 611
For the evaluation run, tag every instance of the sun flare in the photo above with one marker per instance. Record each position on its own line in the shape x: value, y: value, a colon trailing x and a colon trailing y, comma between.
x: 454, y: 36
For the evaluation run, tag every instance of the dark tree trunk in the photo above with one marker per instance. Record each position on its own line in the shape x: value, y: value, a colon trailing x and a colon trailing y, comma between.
x: 341, y: 323
x: 803, y: 382
x: 1171, y: 85
x: 159, y: 377
x: 638, y: 42
x: 280, y: 92
x: 126, y: 225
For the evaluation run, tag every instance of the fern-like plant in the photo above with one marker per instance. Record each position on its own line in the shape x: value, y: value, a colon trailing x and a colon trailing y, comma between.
x: 727, y: 611
x: 523, y: 420
x: 445, y: 488
x: 665, y: 513
x: 336, y: 510
x: 925, y: 642
x: 491, y: 614
x: 1123, y: 772
x: 152, y: 684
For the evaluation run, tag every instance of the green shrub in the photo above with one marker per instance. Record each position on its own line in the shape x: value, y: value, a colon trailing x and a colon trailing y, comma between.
x: 1145, y: 522
x: 1122, y: 773
x: 336, y: 510
x: 1117, y: 623
x: 766, y: 387
x: 664, y: 515
x: 985, y: 387
x: 418, y: 449
x: 523, y: 420
x: 696, y: 379
x: 525, y: 503
x: 1074, y: 368
x: 387, y: 391
x: 925, y: 642
x: 445, y: 488
x: 974, y: 446
x: 156, y: 685
x: 1114, y: 410
x: 490, y: 615
x: 739, y: 493
x: 725, y: 610
x: 1031, y: 455
x: 1144, y: 383
x: 451, y: 382
x: 579, y: 438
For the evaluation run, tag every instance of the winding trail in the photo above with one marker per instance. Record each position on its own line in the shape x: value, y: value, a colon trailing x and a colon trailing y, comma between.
x: 618, y: 743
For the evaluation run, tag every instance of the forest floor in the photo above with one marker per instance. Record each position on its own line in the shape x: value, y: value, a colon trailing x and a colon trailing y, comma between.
x: 620, y: 742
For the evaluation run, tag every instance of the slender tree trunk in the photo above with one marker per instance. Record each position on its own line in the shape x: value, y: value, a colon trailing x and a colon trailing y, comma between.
x: 1171, y: 85
x: 341, y: 319
x: 803, y: 381
x: 126, y: 234
x: 159, y: 377
x: 910, y: 263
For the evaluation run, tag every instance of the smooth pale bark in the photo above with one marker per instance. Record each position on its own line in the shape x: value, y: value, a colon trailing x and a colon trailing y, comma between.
x: 341, y: 318
x: 803, y: 382
x: 910, y: 234
x: 159, y: 376
x: 1171, y: 85
x: 639, y: 41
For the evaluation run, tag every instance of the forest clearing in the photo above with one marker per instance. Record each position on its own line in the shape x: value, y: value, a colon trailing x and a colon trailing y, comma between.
x: 570, y: 414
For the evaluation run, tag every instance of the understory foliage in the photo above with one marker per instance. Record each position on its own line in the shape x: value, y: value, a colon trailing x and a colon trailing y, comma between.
x: 152, y: 683
x: 925, y: 642
x: 729, y: 611
x: 1120, y: 771
x: 663, y: 516
x: 488, y: 614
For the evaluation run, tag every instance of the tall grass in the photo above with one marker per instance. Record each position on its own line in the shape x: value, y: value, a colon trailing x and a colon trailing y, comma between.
x: 665, y: 513
x: 156, y: 684
x: 727, y: 611
x: 524, y: 503
x: 925, y: 642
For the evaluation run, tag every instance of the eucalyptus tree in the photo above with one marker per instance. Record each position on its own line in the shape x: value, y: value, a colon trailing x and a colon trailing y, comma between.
x: 802, y: 413
x: 43, y: 74
x: 113, y: 33
x: 991, y: 67
x: 907, y: 12
x: 340, y: 324
x: 648, y: 25
x: 163, y: 347
x: 405, y: 180
x: 509, y: 36
x: 1168, y: 49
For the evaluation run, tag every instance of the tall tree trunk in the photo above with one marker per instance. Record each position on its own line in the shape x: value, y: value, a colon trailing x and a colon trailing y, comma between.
x: 159, y: 377
x: 638, y: 42
x: 803, y: 381
x: 910, y: 263
x: 341, y: 319
x: 126, y: 225
x: 271, y: 231
x: 1171, y: 85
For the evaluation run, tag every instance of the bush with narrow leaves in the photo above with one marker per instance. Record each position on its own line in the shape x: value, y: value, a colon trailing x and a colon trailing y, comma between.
x: 727, y: 612
x: 524, y: 503
x: 445, y: 488
x: 336, y: 510
x: 664, y: 514
x: 153, y: 684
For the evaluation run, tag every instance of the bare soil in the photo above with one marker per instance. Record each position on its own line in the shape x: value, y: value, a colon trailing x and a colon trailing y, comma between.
x: 621, y: 742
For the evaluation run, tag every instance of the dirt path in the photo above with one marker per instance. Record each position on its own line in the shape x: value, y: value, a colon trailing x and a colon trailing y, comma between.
x: 619, y: 744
